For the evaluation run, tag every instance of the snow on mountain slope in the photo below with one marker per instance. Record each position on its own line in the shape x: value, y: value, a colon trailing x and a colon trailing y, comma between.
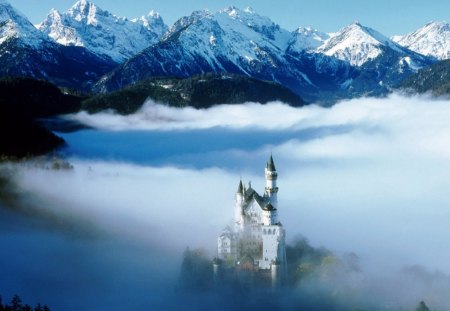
x: 234, y: 40
x: 357, y: 44
x: 14, y: 24
x: 27, y: 52
x: 306, y: 39
x: 101, y: 32
x: 242, y: 36
x: 433, y: 39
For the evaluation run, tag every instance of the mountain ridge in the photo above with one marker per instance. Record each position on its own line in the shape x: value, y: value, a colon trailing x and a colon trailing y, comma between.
x: 355, y: 61
x: 102, y: 32
x: 433, y: 40
x: 243, y: 42
x: 25, y: 51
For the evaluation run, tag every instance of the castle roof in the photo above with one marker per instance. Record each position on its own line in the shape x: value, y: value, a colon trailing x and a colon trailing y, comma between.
x: 240, y: 188
x: 270, y: 165
x: 250, y: 195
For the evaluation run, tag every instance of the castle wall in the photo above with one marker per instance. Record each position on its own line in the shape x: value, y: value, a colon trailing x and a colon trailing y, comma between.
x: 273, y: 245
x: 227, y: 248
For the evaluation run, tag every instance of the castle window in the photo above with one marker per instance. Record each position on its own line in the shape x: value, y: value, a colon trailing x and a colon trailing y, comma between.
x: 269, y: 232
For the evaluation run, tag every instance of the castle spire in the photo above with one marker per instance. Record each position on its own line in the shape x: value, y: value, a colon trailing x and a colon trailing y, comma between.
x: 270, y: 165
x: 240, y: 188
x: 271, y: 181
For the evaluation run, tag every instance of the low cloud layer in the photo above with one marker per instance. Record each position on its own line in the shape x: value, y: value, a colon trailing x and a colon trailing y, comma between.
x: 368, y: 176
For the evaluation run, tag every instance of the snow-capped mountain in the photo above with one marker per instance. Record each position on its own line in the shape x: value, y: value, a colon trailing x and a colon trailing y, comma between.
x: 433, y: 39
x: 357, y: 60
x: 307, y: 39
x: 73, y: 48
x: 25, y: 51
x: 357, y: 44
x: 101, y: 32
x: 15, y: 25
x: 230, y: 40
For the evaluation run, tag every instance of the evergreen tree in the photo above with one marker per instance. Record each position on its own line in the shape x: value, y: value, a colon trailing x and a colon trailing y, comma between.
x: 16, y: 303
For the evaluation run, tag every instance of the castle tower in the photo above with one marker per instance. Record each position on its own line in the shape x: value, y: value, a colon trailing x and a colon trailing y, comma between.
x: 239, y: 207
x: 271, y: 189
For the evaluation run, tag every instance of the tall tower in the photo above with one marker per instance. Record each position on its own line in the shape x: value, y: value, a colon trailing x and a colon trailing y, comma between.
x: 239, y: 207
x: 271, y: 182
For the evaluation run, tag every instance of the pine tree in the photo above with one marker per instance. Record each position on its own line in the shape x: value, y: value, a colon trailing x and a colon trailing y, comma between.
x: 16, y: 303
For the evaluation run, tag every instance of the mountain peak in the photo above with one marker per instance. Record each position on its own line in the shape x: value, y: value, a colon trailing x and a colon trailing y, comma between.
x: 84, y: 10
x: 16, y: 25
x: 357, y: 44
x: 231, y: 11
x: 102, y: 32
x: 249, y: 10
x: 433, y: 39
x: 306, y: 38
x: 153, y: 14
x: 235, y: 12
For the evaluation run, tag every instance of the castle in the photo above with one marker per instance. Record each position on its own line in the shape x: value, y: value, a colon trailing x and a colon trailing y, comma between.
x: 256, y: 244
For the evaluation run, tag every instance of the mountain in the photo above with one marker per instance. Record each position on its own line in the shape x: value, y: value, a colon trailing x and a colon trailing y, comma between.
x: 380, y: 63
x: 434, y: 79
x: 232, y: 41
x: 358, y: 44
x: 200, y: 92
x: 356, y: 61
x: 25, y: 51
x: 306, y: 39
x: 101, y: 32
x: 433, y: 40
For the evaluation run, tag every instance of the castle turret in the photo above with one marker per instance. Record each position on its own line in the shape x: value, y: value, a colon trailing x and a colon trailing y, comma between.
x: 239, y: 207
x: 240, y: 193
x: 271, y: 189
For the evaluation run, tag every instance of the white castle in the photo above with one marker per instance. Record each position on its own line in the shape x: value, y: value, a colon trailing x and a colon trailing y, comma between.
x: 258, y: 238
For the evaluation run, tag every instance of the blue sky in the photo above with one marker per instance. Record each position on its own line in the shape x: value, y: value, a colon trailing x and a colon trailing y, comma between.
x: 387, y: 16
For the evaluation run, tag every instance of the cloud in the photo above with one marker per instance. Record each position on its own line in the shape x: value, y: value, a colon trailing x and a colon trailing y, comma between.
x: 153, y: 116
x: 366, y: 175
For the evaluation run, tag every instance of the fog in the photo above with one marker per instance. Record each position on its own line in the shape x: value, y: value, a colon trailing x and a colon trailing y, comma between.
x: 369, y: 176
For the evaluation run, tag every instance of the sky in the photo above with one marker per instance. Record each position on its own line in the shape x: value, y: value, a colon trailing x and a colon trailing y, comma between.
x: 387, y: 16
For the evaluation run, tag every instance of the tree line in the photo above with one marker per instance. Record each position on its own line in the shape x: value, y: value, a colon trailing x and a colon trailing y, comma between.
x: 16, y: 304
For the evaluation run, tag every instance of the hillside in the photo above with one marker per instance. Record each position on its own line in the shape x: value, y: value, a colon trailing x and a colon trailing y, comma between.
x: 434, y: 79
x: 22, y: 101
x: 199, y: 92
